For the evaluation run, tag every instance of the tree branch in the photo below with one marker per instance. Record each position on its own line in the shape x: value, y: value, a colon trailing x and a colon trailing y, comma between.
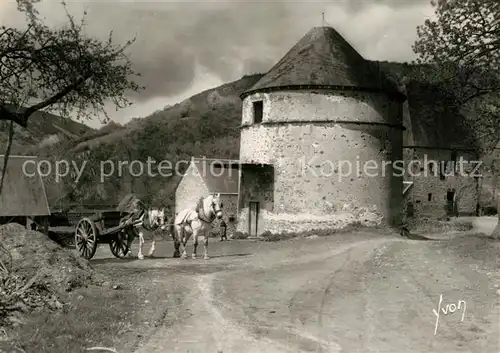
x: 7, y: 114
x: 7, y: 154
x: 57, y: 97
x: 21, y: 118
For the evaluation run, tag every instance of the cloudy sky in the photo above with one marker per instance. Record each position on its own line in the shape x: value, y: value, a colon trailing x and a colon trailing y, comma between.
x: 183, y: 48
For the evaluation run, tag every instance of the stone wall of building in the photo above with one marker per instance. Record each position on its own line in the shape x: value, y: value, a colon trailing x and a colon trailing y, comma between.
x: 287, y: 222
x: 256, y: 185
x: 321, y: 105
x: 230, y: 208
x: 430, y: 189
x: 332, y: 155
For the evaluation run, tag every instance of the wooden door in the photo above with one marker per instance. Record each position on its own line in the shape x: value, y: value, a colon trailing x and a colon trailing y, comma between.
x: 253, y: 218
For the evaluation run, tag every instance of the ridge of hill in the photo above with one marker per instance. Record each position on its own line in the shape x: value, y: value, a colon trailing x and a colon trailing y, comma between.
x: 43, y: 129
x: 222, y: 101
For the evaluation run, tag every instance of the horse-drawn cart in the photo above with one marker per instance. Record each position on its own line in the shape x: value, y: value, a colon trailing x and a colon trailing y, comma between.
x: 93, y: 227
x: 111, y: 227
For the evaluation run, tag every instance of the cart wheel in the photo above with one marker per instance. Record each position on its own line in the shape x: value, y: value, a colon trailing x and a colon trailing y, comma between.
x: 86, y: 238
x: 119, y: 244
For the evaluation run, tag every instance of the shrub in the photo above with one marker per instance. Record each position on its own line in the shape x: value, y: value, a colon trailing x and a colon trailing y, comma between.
x: 490, y: 211
x: 428, y: 225
x: 240, y: 235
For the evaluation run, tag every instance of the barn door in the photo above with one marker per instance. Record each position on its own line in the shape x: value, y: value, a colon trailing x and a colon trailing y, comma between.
x: 253, y: 218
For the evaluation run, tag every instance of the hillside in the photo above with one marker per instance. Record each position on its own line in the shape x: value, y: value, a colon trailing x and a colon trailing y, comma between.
x: 211, y: 113
x: 43, y: 129
x: 207, y: 124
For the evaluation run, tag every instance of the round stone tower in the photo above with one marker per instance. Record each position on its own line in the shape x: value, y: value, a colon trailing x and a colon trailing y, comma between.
x: 330, y: 123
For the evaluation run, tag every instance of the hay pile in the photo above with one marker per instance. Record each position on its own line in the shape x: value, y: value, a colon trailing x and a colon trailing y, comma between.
x: 36, y: 272
x: 130, y: 203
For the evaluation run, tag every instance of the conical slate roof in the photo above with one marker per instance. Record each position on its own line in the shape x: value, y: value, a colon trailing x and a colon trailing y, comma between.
x: 324, y: 58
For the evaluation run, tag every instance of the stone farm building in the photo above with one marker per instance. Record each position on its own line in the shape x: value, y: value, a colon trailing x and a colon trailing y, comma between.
x: 23, y: 198
x: 436, y: 136
x: 310, y: 125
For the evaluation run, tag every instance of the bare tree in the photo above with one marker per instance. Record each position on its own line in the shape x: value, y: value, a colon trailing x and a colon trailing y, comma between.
x: 59, y: 70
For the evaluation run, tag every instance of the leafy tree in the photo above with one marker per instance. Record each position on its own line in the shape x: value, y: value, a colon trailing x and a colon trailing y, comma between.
x: 464, y: 42
x: 59, y: 70
x: 463, y: 47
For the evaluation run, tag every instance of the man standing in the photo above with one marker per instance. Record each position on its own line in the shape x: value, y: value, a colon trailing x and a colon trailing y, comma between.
x: 135, y: 210
x: 223, y: 229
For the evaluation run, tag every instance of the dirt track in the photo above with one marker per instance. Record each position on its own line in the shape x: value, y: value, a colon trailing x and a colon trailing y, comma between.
x: 347, y: 293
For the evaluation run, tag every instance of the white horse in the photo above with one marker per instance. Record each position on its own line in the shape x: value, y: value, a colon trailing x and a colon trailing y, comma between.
x: 195, y: 222
x: 152, y: 220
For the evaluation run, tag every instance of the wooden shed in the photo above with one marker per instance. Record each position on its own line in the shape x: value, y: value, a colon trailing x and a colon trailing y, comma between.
x: 23, y: 198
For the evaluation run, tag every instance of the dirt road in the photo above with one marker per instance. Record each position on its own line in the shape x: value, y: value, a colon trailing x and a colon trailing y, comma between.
x: 361, y: 292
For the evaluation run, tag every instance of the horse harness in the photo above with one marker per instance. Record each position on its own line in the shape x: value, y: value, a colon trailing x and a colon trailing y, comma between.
x: 146, y: 223
x: 201, y: 213
x: 149, y: 225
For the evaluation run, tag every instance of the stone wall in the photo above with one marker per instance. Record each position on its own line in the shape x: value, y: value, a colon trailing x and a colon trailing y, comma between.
x: 429, y: 191
x: 288, y: 222
x: 256, y: 184
x: 230, y: 207
x: 323, y: 106
x: 326, y: 165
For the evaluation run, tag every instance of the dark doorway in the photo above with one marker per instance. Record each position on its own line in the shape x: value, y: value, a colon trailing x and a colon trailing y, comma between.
x: 253, y: 218
x: 450, y: 203
x: 410, y: 209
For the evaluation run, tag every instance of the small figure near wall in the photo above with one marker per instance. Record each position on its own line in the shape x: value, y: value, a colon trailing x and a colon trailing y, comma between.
x: 223, y: 230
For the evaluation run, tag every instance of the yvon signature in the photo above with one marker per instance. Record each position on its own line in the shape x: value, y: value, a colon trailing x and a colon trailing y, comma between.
x: 450, y: 308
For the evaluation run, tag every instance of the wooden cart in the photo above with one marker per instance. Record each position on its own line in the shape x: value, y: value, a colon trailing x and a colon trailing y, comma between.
x: 109, y: 227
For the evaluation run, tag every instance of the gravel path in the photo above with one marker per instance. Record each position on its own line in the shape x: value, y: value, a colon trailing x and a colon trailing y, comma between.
x: 361, y: 292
